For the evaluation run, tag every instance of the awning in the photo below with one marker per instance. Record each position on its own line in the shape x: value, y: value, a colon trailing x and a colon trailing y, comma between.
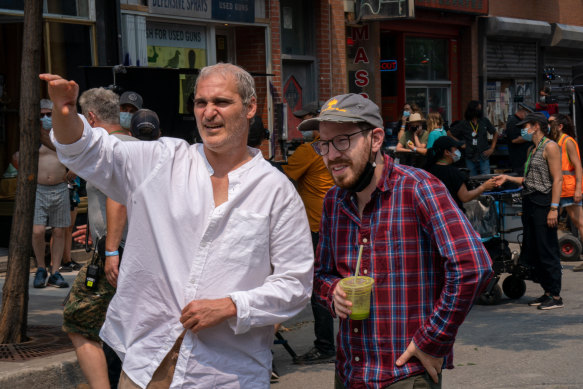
x: 567, y: 36
x: 498, y: 26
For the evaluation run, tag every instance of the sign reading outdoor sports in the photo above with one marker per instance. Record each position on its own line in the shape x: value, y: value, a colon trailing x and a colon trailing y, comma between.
x: 476, y: 7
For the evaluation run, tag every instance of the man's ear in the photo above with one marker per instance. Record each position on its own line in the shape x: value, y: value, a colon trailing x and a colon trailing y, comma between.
x: 378, y: 135
x: 252, y: 108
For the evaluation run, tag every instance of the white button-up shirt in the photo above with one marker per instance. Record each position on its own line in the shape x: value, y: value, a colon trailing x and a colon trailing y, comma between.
x: 255, y: 248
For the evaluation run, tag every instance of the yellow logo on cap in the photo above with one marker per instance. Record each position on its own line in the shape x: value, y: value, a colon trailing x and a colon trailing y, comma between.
x: 331, y: 106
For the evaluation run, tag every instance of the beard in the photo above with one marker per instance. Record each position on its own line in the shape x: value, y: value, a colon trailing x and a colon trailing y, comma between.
x: 355, y: 170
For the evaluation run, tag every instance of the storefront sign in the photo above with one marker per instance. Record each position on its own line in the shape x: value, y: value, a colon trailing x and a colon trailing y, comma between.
x: 476, y: 7
x: 186, y: 8
x: 176, y: 45
x: 384, y: 10
x: 389, y: 65
x: 234, y: 10
x: 360, y: 62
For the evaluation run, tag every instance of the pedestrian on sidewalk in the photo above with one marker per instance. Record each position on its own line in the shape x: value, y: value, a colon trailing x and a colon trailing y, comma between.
x: 427, y: 262
x: 313, y: 180
x: 51, y: 206
x: 86, y: 307
x: 563, y: 132
x: 473, y: 131
x: 213, y: 260
x: 541, y: 195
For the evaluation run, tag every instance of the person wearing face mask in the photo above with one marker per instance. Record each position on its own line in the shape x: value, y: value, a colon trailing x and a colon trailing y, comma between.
x: 129, y: 103
x: 408, y: 109
x: 473, y: 131
x: 440, y: 159
x: 313, y: 180
x: 427, y: 262
x: 542, y: 183
x: 51, y: 206
x: 545, y: 104
x: 563, y: 132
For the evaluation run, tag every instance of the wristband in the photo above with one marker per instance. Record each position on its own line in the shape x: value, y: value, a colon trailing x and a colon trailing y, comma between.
x: 414, y: 149
x: 555, y: 205
x: 111, y: 253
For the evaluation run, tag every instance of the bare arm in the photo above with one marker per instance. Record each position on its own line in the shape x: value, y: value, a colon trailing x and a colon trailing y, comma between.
x: 466, y: 195
x: 67, y: 126
x: 552, y: 153
x: 116, y: 221
x: 576, y: 161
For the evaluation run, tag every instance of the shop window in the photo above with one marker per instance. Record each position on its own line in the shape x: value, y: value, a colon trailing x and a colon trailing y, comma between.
x: 79, y: 8
x: 69, y: 47
x: 426, y: 59
x: 76, y: 8
x: 430, y: 99
x: 297, y: 27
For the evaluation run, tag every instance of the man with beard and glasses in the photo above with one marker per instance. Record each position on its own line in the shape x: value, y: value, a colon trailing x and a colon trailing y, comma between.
x: 218, y: 247
x: 427, y: 262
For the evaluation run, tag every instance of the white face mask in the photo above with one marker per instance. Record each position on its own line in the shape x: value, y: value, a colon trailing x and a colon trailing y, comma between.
x: 457, y: 155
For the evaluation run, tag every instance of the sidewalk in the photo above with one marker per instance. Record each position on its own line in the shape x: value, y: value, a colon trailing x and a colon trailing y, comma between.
x: 44, y: 309
x: 509, y: 345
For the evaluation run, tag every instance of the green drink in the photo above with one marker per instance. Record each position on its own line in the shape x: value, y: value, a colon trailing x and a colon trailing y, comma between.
x: 358, y: 291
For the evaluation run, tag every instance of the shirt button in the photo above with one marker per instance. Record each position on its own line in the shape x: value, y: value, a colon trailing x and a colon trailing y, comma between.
x: 365, y: 271
x: 356, y: 331
x: 356, y: 359
x: 364, y: 240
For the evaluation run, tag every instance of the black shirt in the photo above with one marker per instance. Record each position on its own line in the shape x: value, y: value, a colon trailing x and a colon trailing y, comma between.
x: 452, y: 178
x: 517, y: 151
x: 476, y: 142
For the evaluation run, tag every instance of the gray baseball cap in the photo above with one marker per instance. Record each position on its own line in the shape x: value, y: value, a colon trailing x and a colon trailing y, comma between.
x: 310, y: 108
x: 349, y: 108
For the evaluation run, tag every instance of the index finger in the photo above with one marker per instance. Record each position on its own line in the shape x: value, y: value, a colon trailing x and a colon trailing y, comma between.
x: 49, y: 77
x: 340, y: 291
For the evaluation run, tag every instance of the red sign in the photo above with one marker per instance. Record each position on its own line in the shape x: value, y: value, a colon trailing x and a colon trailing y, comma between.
x: 476, y: 7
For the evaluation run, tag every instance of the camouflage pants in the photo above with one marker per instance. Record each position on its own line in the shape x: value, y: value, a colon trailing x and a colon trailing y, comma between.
x: 85, y: 309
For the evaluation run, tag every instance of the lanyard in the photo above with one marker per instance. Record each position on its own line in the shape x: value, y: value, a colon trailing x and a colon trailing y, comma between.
x: 474, y: 129
x: 527, y: 164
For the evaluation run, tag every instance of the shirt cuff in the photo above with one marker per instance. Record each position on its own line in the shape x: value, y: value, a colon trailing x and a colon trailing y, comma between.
x: 77, y: 147
x: 242, y: 322
x: 431, y: 346
x: 330, y: 297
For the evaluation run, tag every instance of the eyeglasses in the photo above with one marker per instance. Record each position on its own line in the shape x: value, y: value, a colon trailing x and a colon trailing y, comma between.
x: 340, y: 143
x: 47, y: 114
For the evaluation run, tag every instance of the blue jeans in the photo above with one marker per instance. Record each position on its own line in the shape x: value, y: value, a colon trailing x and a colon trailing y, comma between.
x: 480, y: 167
x: 323, y: 320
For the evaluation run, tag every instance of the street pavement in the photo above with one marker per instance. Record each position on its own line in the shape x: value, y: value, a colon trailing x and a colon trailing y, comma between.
x: 509, y: 345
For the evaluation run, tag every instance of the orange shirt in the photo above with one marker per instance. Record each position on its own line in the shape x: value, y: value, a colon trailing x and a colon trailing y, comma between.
x: 569, y: 179
x: 308, y: 170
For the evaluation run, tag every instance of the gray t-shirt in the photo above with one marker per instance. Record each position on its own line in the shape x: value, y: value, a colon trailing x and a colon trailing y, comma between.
x: 96, y: 201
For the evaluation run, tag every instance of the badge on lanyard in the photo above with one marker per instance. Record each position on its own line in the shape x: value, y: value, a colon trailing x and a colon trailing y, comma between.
x: 474, y: 142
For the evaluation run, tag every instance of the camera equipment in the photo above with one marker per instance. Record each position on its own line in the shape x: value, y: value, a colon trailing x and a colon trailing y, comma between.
x: 92, y: 276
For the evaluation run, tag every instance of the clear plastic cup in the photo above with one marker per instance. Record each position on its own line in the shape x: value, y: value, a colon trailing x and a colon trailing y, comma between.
x: 358, y: 291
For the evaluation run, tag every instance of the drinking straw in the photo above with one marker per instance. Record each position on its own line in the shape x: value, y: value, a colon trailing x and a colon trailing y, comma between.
x: 358, y: 261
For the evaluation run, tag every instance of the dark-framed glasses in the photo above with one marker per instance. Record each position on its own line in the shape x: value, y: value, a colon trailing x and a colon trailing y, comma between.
x: 340, y: 143
x: 47, y: 114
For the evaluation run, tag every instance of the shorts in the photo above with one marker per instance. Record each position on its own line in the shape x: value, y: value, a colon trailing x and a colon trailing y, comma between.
x: 85, y: 309
x: 568, y: 201
x: 52, y: 206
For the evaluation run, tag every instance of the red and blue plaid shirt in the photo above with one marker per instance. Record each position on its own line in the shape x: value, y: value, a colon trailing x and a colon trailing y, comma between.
x: 428, y: 264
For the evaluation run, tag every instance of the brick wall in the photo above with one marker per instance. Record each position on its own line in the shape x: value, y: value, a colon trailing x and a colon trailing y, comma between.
x: 250, y: 44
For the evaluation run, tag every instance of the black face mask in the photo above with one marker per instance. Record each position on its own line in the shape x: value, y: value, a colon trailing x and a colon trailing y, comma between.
x: 365, y: 178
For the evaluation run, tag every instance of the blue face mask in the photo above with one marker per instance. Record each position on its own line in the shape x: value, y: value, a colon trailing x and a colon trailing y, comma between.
x: 526, y: 135
x: 125, y: 120
x: 406, y: 114
x: 47, y: 122
x: 457, y: 155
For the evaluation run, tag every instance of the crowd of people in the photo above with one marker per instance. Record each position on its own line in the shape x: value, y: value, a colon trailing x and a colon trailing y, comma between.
x: 219, y: 247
